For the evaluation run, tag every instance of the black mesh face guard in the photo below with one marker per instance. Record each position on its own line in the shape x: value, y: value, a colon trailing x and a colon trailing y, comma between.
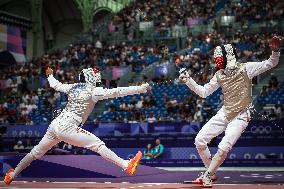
x: 91, y: 76
x: 82, y: 77
x: 224, y: 55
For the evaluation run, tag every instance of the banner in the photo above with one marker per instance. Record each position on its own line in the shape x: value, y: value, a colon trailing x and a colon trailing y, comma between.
x: 256, y: 129
x: 119, y: 71
x: 182, y: 127
x: 21, y: 131
x: 261, y: 140
x: 136, y: 129
x: 13, y: 40
x: 111, y: 129
x: 190, y: 153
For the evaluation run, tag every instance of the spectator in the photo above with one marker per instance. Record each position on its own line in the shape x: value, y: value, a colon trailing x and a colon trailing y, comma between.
x: 67, y: 147
x: 273, y: 82
x: 9, y: 82
x: 278, y: 111
x: 132, y: 102
x: 264, y: 91
x: 198, y: 115
x: 14, y: 86
x: 99, y: 45
x: 152, y: 118
x: 19, y: 146
x: 139, y: 103
x: 34, y: 97
x: 29, y: 146
x: 148, y: 152
x: 272, y: 114
x: 158, y: 149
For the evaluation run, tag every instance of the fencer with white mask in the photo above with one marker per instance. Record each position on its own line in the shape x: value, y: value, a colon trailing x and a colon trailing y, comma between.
x: 82, y: 97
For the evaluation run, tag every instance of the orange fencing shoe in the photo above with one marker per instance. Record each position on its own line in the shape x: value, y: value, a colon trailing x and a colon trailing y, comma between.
x: 8, y: 178
x: 133, y: 163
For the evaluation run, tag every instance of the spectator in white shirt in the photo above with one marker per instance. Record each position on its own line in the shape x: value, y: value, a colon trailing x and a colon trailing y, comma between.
x: 139, y: 103
x: 152, y: 118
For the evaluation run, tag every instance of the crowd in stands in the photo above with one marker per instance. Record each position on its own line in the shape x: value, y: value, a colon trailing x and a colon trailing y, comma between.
x: 26, y: 95
x: 271, y: 96
x: 198, y: 59
x: 256, y: 10
x: 27, y: 99
x: 167, y: 102
x: 167, y: 14
x: 164, y: 13
x: 20, y: 147
x: 24, y: 89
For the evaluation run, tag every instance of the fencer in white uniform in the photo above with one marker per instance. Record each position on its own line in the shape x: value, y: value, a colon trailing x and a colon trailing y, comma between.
x: 82, y: 98
x: 235, y: 80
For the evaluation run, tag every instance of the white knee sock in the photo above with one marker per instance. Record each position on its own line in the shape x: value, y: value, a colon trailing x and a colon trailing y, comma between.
x: 205, y: 156
x: 24, y: 163
x: 217, y: 161
x: 112, y: 157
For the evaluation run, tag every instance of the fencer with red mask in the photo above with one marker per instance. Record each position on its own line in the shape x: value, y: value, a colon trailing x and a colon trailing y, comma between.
x: 234, y: 78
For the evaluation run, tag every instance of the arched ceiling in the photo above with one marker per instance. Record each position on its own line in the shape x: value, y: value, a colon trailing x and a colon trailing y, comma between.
x: 20, y: 8
x: 100, y: 14
x: 61, y: 10
x: 61, y: 19
x: 56, y: 10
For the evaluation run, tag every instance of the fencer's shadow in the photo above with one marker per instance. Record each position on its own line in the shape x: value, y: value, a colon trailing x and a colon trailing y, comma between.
x: 191, y: 186
x: 188, y: 184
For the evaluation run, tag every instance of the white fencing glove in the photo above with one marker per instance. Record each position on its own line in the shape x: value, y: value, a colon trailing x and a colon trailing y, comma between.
x: 147, y: 87
x: 183, y: 75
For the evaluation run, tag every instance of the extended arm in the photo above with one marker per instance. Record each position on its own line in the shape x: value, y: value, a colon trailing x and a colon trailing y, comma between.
x: 121, y: 91
x: 202, y: 91
x: 57, y: 85
x: 256, y: 68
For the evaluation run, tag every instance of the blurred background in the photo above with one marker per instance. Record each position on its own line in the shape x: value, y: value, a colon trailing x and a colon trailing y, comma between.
x: 134, y: 41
